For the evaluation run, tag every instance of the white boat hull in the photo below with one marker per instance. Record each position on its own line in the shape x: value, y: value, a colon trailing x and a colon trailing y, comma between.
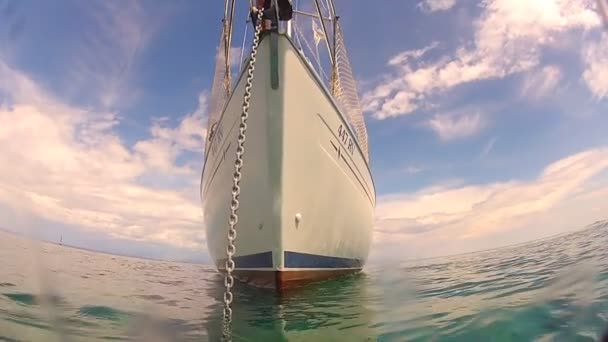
x: 301, y: 160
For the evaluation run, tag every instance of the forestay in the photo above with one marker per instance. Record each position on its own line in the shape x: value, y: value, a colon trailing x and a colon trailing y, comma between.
x: 316, y: 30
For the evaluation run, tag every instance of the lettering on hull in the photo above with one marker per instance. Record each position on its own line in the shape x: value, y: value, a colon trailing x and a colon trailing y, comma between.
x: 346, y: 139
x: 345, y: 153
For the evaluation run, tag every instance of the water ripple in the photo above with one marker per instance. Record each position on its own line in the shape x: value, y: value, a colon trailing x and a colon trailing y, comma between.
x: 551, y: 290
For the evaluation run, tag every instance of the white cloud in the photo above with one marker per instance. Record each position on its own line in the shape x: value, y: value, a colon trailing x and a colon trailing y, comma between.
x: 409, y: 170
x: 412, y: 170
x: 436, y: 5
x: 411, y: 55
x: 160, y: 152
x: 190, y: 134
x: 508, y: 38
x: 542, y: 83
x: 455, y: 126
x: 488, y: 147
x: 108, y: 50
x: 595, y: 57
x: 235, y: 57
x: 433, y: 216
x: 68, y: 165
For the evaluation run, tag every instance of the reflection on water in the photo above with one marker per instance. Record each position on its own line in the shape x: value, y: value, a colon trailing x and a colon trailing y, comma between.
x: 330, y: 310
x: 552, y: 290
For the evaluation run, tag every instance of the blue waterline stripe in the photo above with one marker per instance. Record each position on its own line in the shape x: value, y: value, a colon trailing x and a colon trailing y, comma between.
x: 259, y: 260
x: 293, y: 260
x: 302, y: 260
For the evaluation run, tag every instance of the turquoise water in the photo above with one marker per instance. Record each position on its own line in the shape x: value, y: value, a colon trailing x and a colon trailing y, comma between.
x: 550, y: 290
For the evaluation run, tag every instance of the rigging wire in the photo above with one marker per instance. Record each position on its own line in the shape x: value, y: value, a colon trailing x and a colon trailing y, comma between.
x: 247, y: 21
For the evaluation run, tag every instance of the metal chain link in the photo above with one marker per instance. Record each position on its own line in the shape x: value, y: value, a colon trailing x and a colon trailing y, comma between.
x: 236, y: 189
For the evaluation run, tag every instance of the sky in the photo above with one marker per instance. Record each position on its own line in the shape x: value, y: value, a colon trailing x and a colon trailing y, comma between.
x: 487, y: 121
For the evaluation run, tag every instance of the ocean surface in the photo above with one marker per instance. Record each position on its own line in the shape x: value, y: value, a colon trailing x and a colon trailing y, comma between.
x: 549, y: 290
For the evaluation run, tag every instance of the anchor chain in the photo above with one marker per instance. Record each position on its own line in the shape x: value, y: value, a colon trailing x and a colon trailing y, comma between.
x: 236, y: 189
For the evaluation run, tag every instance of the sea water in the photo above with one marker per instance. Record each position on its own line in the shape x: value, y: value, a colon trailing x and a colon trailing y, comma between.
x: 549, y: 290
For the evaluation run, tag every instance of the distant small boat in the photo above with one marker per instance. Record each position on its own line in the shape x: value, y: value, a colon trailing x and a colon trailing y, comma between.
x: 307, y: 195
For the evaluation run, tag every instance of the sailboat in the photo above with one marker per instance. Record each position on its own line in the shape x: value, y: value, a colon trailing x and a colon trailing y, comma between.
x: 306, y: 195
